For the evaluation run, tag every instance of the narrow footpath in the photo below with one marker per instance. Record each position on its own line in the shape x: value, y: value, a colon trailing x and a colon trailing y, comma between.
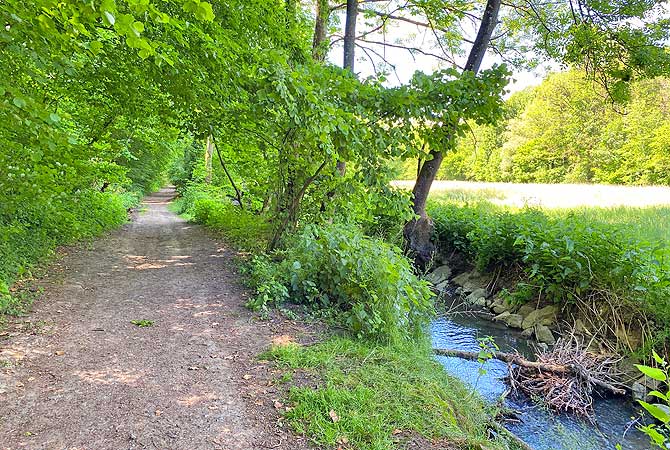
x: 77, y: 374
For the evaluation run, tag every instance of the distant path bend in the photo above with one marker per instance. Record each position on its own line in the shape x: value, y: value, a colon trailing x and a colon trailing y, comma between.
x: 78, y: 374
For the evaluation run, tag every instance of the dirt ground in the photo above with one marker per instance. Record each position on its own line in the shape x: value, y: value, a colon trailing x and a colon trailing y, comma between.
x: 77, y: 374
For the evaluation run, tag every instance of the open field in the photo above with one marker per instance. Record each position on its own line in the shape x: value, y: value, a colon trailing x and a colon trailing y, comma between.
x: 551, y: 195
x: 642, y: 212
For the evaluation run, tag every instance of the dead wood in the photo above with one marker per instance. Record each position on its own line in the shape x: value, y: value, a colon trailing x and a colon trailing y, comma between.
x: 565, y: 377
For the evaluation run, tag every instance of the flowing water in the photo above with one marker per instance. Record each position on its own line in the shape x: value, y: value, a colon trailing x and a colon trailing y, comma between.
x: 539, y: 428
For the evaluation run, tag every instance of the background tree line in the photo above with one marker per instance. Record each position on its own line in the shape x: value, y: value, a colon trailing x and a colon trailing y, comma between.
x: 567, y: 130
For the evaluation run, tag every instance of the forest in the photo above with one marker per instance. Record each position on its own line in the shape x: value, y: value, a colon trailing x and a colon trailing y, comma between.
x: 259, y: 114
x: 565, y: 131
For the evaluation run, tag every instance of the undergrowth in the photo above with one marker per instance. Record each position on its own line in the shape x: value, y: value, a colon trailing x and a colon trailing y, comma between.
x: 32, y: 236
x: 367, y: 282
x: 213, y: 208
x: 565, y: 257
x: 374, y: 397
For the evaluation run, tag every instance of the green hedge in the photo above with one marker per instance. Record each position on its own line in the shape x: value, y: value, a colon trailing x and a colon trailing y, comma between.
x: 28, y: 239
x: 337, y: 268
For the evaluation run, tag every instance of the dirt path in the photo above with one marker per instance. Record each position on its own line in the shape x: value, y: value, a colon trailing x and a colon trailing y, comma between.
x: 78, y: 374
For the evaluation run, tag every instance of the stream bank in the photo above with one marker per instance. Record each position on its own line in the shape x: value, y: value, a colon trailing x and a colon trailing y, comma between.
x: 470, y: 313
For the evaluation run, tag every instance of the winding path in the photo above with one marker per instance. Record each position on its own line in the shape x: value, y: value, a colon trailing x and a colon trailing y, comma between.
x: 77, y: 374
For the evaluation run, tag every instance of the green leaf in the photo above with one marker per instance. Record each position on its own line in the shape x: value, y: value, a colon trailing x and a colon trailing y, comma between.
x: 658, y: 411
x: 36, y: 156
x: 108, y: 18
x: 652, y: 372
x: 659, y: 395
x: 204, y: 12
x: 95, y: 47
x: 19, y: 102
x: 657, y: 358
x: 138, y: 27
x: 54, y: 117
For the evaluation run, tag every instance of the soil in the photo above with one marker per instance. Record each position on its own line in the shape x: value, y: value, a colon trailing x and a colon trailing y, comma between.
x: 77, y: 374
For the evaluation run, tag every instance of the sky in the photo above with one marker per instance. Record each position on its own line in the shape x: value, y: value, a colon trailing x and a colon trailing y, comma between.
x: 406, y: 64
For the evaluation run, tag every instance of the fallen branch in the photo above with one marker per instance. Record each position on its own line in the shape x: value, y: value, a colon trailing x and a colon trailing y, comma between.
x: 564, y: 377
x: 514, y: 358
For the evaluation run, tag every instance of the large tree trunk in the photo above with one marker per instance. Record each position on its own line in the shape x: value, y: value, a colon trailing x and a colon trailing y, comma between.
x: 319, y: 44
x: 350, y: 35
x: 418, y: 232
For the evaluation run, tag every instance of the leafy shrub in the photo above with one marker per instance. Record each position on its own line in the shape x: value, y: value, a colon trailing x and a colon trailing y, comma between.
x: 564, y: 258
x: 268, y: 280
x: 659, y: 435
x: 35, y: 234
x: 211, y: 207
x: 369, y: 281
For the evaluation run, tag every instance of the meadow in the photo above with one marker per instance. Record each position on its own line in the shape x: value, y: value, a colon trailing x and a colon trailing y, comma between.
x: 642, y: 211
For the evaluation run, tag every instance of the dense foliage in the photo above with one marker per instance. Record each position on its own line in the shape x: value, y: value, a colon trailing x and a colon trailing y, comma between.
x: 568, y: 131
x: 562, y: 257
x: 292, y: 155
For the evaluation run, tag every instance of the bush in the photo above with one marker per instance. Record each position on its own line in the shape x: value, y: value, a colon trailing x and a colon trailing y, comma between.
x: 564, y: 258
x: 211, y: 207
x: 34, y: 235
x: 369, y: 281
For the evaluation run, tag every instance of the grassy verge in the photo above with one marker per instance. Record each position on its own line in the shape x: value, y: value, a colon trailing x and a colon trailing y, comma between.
x: 31, y: 239
x: 379, y: 397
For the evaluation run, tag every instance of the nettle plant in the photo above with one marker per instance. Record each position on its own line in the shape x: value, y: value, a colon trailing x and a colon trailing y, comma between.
x: 658, y: 433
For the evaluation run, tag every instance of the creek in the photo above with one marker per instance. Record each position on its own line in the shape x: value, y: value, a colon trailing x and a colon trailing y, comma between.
x: 538, y: 427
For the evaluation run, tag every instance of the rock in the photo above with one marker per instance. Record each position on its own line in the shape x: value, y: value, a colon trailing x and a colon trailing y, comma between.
x: 543, y: 316
x: 639, y: 391
x: 643, y: 386
x: 509, y: 319
x: 439, y: 275
x: 542, y: 347
x: 525, y: 310
x: 500, y: 306
x: 481, y: 301
x: 649, y: 383
x: 580, y: 327
x: 543, y: 334
x: 471, y: 281
x: 441, y: 286
x: 475, y: 295
x: 629, y: 336
x: 528, y: 333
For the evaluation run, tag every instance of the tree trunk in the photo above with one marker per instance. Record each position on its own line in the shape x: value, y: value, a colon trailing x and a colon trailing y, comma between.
x: 209, y: 148
x: 350, y: 35
x: 418, y: 232
x: 319, y: 44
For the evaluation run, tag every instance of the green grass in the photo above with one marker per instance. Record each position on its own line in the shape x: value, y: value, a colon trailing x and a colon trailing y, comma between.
x: 370, y: 396
x: 468, y: 195
x: 649, y: 224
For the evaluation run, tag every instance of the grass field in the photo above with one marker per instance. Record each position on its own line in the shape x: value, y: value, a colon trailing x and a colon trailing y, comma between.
x: 643, y: 212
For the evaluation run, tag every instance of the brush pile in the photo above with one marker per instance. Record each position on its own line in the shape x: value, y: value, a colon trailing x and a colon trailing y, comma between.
x: 567, y: 377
